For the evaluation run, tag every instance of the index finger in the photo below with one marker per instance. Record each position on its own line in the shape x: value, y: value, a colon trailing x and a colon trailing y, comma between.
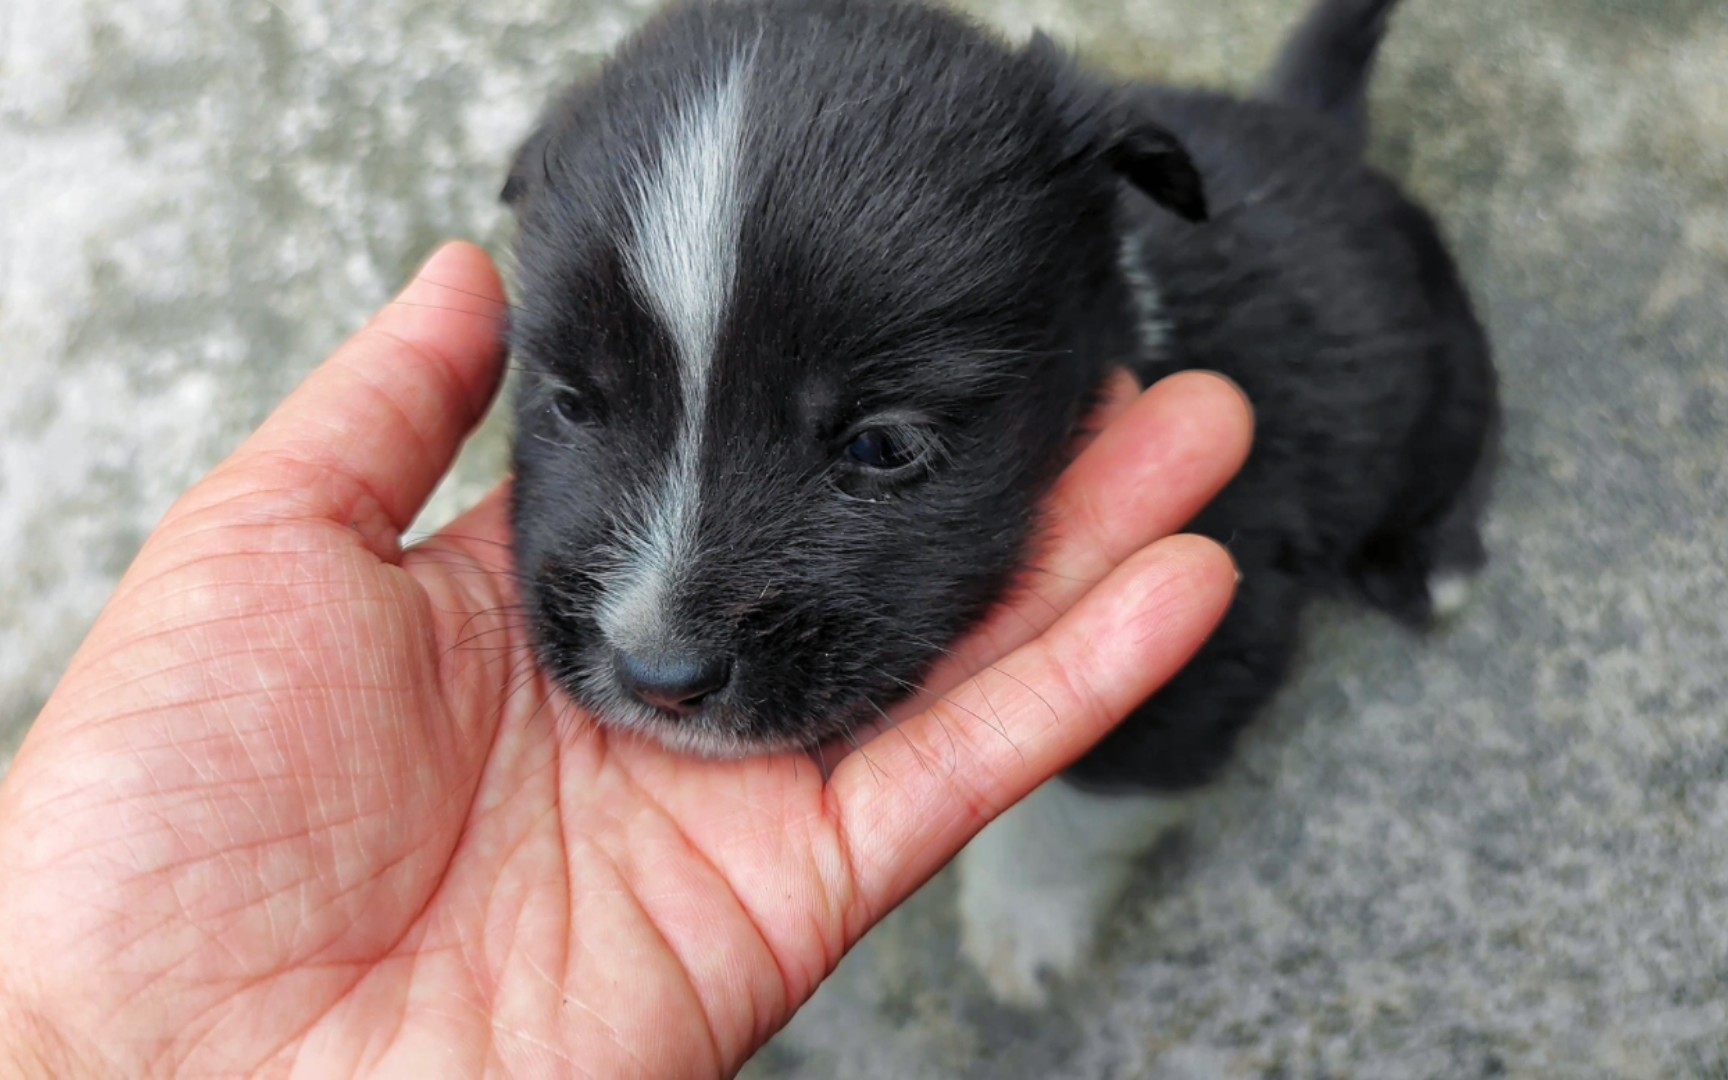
x: 381, y: 420
x: 930, y: 784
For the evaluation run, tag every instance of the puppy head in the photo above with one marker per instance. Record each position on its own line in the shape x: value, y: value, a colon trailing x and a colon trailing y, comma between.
x: 812, y: 297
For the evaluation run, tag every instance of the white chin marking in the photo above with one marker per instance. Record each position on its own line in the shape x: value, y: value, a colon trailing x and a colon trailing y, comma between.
x: 1036, y: 884
x: 1450, y: 593
x: 702, y: 742
x: 696, y: 738
x: 683, y: 256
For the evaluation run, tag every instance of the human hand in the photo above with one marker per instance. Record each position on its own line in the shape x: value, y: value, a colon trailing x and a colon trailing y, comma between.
x: 303, y: 804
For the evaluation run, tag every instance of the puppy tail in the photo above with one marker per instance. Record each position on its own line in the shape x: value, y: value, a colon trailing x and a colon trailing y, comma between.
x: 1327, y: 63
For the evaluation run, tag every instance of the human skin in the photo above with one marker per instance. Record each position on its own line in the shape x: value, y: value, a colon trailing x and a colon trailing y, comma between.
x: 303, y: 804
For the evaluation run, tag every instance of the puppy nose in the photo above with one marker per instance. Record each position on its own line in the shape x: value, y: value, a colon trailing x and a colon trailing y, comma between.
x: 675, y: 683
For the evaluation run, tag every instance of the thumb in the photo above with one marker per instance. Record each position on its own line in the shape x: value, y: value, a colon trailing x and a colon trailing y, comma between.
x: 368, y: 435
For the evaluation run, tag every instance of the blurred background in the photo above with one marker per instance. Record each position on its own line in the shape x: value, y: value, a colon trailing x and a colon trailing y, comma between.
x: 1500, y: 849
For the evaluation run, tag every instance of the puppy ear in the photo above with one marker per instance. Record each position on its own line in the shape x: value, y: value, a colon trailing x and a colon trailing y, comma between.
x: 1154, y: 161
x: 1101, y: 124
x: 528, y: 171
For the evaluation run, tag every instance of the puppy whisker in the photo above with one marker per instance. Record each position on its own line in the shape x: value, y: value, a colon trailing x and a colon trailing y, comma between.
x: 503, y: 303
x: 917, y: 688
x: 489, y: 316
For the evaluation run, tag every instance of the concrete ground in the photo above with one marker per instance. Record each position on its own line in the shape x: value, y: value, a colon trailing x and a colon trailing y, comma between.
x: 1502, y: 850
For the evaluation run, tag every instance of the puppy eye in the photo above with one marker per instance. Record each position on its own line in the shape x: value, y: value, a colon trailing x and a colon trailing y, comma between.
x: 878, y: 460
x: 571, y: 405
x: 881, y: 450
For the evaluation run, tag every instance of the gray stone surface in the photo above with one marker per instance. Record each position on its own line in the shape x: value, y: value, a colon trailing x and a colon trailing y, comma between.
x: 1502, y: 850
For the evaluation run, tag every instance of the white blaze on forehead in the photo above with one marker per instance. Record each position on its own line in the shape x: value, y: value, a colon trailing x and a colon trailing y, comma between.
x: 684, y: 253
x: 683, y: 257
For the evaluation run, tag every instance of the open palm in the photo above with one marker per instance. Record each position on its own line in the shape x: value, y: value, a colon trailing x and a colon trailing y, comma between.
x: 302, y: 803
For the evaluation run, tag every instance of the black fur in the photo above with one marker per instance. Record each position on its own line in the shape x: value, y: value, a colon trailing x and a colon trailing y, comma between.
x: 1326, y: 66
x: 929, y: 245
x: 1331, y: 298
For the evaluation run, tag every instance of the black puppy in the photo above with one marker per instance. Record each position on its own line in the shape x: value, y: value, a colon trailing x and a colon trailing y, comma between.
x: 814, y: 295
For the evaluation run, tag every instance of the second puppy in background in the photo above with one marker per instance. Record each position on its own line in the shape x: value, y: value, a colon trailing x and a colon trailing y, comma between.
x: 814, y: 297
x: 1332, y: 299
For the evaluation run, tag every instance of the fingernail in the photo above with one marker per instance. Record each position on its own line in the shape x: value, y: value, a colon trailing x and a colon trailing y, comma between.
x: 1232, y: 383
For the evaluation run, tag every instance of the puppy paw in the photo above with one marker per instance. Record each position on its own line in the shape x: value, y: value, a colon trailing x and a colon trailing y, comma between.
x: 1037, y: 883
x: 1019, y: 940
